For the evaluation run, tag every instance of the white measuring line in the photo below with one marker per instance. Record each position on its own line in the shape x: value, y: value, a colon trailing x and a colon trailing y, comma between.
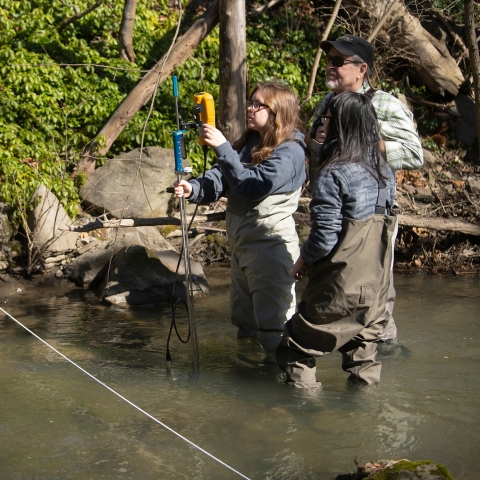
x: 125, y: 399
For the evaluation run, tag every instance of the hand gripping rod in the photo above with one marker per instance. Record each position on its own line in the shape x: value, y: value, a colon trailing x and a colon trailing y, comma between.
x: 180, y: 155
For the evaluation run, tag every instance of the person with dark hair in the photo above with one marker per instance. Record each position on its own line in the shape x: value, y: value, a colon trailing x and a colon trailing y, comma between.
x: 350, y: 63
x: 262, y: 175
x: 348, y: 254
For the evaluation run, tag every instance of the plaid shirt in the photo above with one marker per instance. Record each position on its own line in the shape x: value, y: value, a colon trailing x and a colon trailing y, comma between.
x: 403, y: 147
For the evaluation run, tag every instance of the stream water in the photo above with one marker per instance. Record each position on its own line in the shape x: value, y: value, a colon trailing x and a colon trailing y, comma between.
x: 58, y: 423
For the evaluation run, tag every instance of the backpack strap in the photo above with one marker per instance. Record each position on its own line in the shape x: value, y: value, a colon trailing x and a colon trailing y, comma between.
x: 382, y: 206
x: 369, y: 93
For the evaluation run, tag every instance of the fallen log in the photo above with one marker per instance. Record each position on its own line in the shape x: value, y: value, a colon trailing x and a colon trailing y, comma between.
x: 141, y: 222
x: 122, y: 223
x: 404, y: 36
x: 440, y: 224
x: 430, y: 223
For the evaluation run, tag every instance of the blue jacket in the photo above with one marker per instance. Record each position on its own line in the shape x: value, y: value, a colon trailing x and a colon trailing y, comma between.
x: 282, y: 172
x: 343, y: 190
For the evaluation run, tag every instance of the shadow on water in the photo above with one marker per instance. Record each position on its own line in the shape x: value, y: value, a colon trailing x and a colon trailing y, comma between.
x: 56, y: 422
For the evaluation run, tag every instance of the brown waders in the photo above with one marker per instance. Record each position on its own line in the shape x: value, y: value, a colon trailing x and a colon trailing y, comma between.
x: 346, y: 293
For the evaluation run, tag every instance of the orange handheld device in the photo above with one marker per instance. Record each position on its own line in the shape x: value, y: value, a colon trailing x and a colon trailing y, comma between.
x: 205, y: 112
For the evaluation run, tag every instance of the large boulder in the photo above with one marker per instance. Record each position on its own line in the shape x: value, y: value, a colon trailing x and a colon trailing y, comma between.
x: 45, y: 221
x: 83, y: 269
x: 6, y: 229
x: 140, y: 276
x: 128, y: 186
x: 6, y: 233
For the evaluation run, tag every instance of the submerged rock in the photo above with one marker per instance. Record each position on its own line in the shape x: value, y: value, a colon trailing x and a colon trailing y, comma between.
x: 93, y: 256
x: 398, y: 470
x: 140, y: 276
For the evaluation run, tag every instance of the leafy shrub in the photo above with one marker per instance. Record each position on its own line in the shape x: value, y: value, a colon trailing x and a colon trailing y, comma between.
x: 58, y: 89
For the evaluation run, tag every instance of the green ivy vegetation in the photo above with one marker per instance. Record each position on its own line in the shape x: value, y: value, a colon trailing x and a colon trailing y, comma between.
x: 50, y: 111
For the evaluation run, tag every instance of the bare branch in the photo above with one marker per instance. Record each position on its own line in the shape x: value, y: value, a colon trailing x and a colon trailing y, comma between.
x: 264, y: 7
x: 79, y: 15
x: 318, y: 55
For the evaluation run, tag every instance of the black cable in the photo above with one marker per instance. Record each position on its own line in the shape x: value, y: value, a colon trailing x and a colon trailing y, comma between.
x: 174, y: 304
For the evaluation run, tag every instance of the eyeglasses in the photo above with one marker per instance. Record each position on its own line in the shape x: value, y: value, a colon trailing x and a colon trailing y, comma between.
x: 323, y: 118
x: 255, y: 106
x: 339, y: 61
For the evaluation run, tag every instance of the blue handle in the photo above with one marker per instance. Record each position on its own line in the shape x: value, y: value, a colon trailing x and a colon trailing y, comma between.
x: 175, y: 86
x: 178, y: 150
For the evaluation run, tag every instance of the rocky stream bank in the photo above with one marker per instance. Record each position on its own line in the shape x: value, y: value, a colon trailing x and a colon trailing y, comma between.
x: 439, y: 229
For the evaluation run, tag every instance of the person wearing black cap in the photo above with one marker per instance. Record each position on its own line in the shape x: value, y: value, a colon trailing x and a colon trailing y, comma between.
x: 350, y: 63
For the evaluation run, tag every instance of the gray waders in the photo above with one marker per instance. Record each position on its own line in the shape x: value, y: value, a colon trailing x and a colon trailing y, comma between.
x: 345, y: 295
x: 264, y: 245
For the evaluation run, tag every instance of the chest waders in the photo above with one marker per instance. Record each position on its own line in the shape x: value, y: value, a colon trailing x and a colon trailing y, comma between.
x: 264, y: 247
x: 345, y: 294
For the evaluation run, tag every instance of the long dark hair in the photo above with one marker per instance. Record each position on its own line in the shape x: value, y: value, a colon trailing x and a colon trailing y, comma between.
x: 285, y: 118
x: 353, y: 134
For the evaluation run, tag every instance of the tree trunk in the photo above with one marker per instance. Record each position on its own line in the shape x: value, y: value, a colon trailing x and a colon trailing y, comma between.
x: 472, y: 43
x: 404, y: 33
x: 140, y: 95
x: 125, y: 36
x: 232, y: 68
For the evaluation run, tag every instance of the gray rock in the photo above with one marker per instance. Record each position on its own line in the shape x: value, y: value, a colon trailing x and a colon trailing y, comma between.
x: 95, y: 243
x: 149, y: 237
x: 127, y: 187
x: 6, y: 229
x: 45, y: 220
x: 403, y: 475
x: 474, y: 184
x: 429, y: 157
x: 83, y: 269
x: 424, y: 194
x: 56, y: 259
x: 409, y: 188
x: 140, y: 276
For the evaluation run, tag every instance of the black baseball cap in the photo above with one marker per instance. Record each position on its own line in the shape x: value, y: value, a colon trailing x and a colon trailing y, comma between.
x: 351, y: 45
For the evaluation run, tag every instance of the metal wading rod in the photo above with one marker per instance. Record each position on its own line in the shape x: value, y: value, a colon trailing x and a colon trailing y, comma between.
x: 180, y: 155
x: 189, y: 283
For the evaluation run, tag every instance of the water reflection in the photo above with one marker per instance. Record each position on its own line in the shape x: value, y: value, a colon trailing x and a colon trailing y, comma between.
x: 55, y: 422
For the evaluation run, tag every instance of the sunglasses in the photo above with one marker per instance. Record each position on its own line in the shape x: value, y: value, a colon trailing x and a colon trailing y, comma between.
x: 255, y: 106
x: 339, y: 61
